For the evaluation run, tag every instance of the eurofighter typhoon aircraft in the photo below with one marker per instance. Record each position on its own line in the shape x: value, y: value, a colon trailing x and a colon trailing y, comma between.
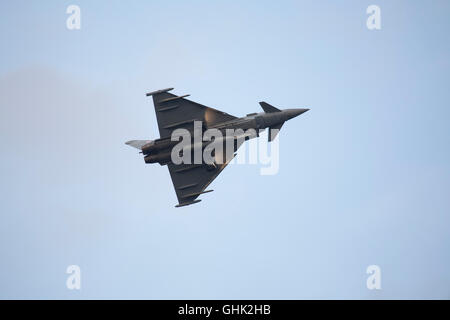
x: 180, y: 118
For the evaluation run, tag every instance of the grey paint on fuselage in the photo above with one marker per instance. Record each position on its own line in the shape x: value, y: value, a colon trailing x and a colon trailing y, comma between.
x: 175, y: 112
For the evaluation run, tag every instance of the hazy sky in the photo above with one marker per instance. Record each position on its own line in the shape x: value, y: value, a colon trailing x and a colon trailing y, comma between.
x: 364, y: 176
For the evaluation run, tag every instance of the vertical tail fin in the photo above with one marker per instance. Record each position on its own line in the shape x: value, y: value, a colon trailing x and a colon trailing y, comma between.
x: 268, y: 108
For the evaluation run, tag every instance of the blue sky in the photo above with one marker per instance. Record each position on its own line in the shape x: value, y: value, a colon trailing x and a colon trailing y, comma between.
x: 364, y: 175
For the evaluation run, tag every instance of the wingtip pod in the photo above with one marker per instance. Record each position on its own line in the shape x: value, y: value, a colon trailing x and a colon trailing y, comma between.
x: 158, y: 91
x: 192, y: 195
x: 187, y: 203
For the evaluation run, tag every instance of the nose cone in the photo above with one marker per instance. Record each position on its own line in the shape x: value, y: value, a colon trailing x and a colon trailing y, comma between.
x: 292, y: 113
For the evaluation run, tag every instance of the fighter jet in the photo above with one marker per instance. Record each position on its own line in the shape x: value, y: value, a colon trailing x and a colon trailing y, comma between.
x: 190, y: 179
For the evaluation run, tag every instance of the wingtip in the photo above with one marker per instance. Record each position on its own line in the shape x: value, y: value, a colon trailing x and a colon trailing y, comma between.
x: 158, y: 91
x: 187, y: 203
